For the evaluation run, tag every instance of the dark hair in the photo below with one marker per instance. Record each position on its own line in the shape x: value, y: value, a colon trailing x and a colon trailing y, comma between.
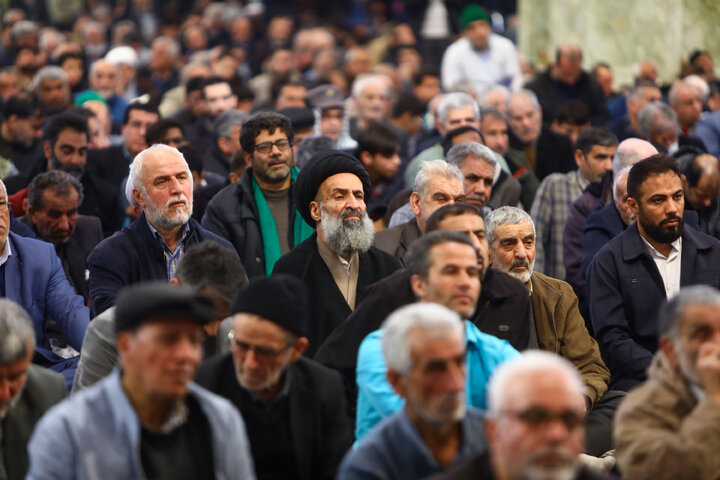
x: 58, y: 180
x: 22, y: 104
x: 195, y: 84
x: 269, y: 121
x: 697, y: 54
x: 450, y: 210
x: 418, y: 260
x: 595, y: 136
x: 447, y: 141
x: 209, y: 265
x: 243, y: 92
x: 425, y: 71
x: 309, y: 147
x: 237, y: 162
x: 279, y: 84
x: 70, y: 55
x: 145, y: 107
x: 213, y: 81
x: 62, y: 121
x: 688, y: 164
x: 573, y: 112
x: 409, y: 103
x: 377, y: 137
x: 193, y: 158
x: 84, y: 112
x: 655, y: 165
x: 159, y: 129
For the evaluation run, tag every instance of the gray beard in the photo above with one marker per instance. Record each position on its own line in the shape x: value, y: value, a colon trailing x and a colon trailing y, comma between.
x: 347, y: 236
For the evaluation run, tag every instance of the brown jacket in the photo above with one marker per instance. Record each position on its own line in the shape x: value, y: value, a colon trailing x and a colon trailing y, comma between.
x: 561, y: 329
x: 662, y: 432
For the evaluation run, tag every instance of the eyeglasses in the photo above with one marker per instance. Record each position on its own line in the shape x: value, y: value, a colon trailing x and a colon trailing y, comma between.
x: 5, y: 205
x: 266, y: 147
x: 537, y: 418
x: 261, y: 353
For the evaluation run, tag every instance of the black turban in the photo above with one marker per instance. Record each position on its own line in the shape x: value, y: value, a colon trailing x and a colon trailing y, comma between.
x: 323, y: 165
x: 282, y: 299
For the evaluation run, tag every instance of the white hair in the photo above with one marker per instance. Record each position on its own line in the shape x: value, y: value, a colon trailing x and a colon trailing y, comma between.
x: 453, y: 101
x: 17, y: 335
x: 123, y: 55
x: 4, y: 190
x: 50, y: 72
x: 700, y: 85
x: 483, y: 100
x: 458, y: 153
x: 434, y: 168
x: 366, y: 79
x: 172, y: 45
x: 135, y: 179
x: 528, y: 364
x: 616, y: 181
x: 505, y: 216
x: 529, y: 94
x: 435, y: 319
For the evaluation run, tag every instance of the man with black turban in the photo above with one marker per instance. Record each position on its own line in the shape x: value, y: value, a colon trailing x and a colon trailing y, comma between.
x: 338, y: 261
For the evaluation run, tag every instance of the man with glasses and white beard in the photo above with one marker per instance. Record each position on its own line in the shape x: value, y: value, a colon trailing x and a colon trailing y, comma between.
x: 151, y: 246
x: 338, y: 261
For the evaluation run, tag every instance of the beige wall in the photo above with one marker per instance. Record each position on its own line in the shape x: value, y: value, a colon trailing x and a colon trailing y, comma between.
x: 620, y: 32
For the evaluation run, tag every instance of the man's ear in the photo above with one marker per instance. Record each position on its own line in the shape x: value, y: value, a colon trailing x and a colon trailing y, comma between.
x: 668, y: 348
x: 248, y: 158
x: 315, y: 210
x: 685, y: 185
x: 298, y: 348
x: 579, y: 157
x: 632, y: 205
x: 222, y: 145
x: 418, y: 286
x: 415, y: 203
x: 47, y: 149
x: 395, y: 379
x: 138, y: 198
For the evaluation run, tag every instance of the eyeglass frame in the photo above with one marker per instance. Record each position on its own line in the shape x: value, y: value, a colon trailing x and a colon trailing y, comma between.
x: 261, y: 353
x: 4, y: 204
x: 269, y: 145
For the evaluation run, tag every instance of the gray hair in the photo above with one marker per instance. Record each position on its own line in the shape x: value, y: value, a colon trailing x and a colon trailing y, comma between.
x: 431, y: 169
x: 505, y: 216
x: 629, y: 152
x: 686, y: 82
x: 3, y: 189
x: 493, y: 113
x: 94, y: 25
x: 529, y: 94
x: 656, y: 116
x: 456, y: 100
x: 418, y: 259
x: 616, y: 180
x: 23, y: 27
x: 309, y: 147
x: 58, y: 180
x: 671, y: 313
x: 172, y: 45
x: 457, y: 154
x: 50, y: 72
x: 17, y: 335
x: 528, y: 364
x: 366, y: 79
x: 232, y: 118
x: 135, y: 179
x: 436, y: 320
x: 495, y: 88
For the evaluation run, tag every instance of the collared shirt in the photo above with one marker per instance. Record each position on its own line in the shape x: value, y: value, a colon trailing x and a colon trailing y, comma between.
x: 171, y: 258
x: 377, y: 399
x: 669, y: 267
x: 497, y: 64
x: 549, y: 212
x: 345, y: 273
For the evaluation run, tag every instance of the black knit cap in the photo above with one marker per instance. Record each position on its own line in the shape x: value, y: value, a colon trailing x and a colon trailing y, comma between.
x: 142, y: 302
x: 322, y: 166
x: 280, y: 298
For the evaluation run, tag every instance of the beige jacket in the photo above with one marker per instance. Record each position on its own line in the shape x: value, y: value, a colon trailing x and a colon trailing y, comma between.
x: 662, y: 432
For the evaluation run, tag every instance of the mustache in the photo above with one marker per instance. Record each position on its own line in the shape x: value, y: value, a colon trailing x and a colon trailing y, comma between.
x: 351, y: 211
x: 176, y: 198
x: 671, y: 218
x: 520, y: 262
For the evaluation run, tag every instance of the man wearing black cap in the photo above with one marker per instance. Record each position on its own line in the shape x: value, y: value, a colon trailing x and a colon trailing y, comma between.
x: 293, y: 407
x: 147, y: 420
x: 257, y: 213
x: 337, y: 262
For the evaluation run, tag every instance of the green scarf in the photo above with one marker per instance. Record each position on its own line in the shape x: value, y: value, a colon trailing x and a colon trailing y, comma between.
x: 268, y: 230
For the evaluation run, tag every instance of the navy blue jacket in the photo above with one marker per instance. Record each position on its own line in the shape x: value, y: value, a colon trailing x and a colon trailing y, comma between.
x: 133, y: 255
x: 626, y: 290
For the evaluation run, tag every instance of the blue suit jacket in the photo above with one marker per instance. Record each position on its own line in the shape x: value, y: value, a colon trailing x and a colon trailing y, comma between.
x: 626, y: 290
x: 34, y: 278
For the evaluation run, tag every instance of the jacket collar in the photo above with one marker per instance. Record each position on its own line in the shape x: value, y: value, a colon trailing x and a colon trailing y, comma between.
x: 543, y: 289
x: 633, y: 247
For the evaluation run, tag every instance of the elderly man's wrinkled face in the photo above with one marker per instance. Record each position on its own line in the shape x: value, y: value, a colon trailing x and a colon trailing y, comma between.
x: 371, y: 102
x: 12, y: 381
x: 460, y: 117
x: 513, y: 250
x: 166, y: 197
x: 688, y: 106
x: 103, y: 79
x: 439, y: 191
x: 55, y: 221
x: 160, y: 358
x: 698, y: 343
x: 540, y: 430
x: 525, y: 119
x: 434, y: 389
x: 479, y: 178
x: 54, y: 94
x: 453, y: 279
x: 262, y: 352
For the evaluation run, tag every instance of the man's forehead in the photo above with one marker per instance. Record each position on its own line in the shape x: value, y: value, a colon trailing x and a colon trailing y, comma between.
x: 666, y: 183
x: 514, y: 230
x: 475, y: 163
x: 460, y: 111
x: 441, y: 184
x: 453, y: 252
x: 341, y: 181
x: 464, y: 222
x: 694, y: 316
x: 162, y: 164
x: 142, y: 116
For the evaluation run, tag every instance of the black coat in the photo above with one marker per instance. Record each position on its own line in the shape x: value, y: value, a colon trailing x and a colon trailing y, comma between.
x: 328, y: 306
x: 133, y: 255
x: 625, y: 291
x: 554, y: 153
x: 87, y: 234
x: 320, y: 427
x: 503, y: 310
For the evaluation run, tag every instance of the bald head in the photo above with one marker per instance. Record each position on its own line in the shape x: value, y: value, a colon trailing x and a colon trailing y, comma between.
x: 631, y: 151
x: 701, y: 181
x: 568, y: 63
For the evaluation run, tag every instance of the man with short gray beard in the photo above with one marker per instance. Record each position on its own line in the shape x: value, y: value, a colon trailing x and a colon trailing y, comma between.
x: 337, y: 262
x: 149, y: 249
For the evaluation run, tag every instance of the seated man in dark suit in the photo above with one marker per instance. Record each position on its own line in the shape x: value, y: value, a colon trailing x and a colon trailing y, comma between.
x: 294, y: 408
x: 53, y: 200
x: 27, y: 392
x: 151, y: 246
x: 31, y: 275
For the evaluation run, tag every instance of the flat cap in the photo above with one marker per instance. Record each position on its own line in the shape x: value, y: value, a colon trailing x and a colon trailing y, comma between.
x: 280, y: 298
x: 142, y: 302
x: 323, y: 165
x: 326, y: 96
